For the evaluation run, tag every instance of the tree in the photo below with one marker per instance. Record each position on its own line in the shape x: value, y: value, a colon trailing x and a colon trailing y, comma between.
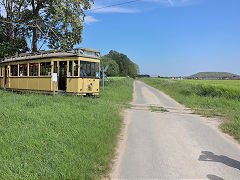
x: 59, y: 22
x: 12, y: 39
x: 14, y: 10
x: 63, y: 17
x: 143, y: 75
x: 9, y: 49
x: 126, y: 66
x: 113, y: 69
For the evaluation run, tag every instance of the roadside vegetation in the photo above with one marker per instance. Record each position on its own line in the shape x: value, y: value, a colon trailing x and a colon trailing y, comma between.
x: 119, y: 65
x: 207, y: 97
x: 158, y: 109
x: 70, y: 137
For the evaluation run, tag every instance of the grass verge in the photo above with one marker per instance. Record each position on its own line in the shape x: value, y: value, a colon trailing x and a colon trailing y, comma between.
x: 208, y: 98
x: 60, y: 137
x: 157, y: 109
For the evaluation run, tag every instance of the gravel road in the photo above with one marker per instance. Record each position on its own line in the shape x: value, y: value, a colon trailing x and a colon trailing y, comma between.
x: 175, y: 144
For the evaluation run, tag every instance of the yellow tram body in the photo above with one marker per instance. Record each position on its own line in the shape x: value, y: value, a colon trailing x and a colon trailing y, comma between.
x: 78, y: 72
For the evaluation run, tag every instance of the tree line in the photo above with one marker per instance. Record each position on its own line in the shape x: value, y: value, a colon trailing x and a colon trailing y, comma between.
x: 59, y: 23
x: 119, y: 65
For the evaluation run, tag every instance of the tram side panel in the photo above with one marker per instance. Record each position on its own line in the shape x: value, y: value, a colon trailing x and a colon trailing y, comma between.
x: 33, y: 83
x: 73, y: 85
x: 90, y: 85
x: 6, y: 80
x: 1, y: 82
x: 14, y: 83
x: 95, y: 87
x: 45, y: 84
x: 26, y: 83
x: 1, y: 77
x: 83, y: 86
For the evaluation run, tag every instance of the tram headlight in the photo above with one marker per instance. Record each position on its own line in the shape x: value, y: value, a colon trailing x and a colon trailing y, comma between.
x: 90, y: 86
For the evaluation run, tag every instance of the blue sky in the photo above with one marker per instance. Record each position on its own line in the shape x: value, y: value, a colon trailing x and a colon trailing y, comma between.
x: 169, y: 37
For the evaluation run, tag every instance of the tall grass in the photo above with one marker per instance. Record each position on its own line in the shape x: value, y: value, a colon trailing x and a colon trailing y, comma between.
x: 60, y: 137
x: 209, y: 98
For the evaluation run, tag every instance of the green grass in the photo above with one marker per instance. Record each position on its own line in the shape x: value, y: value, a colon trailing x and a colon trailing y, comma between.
x: 219, y: 83
x: 157, y: 109
x: 207, y: 97
x: 60, y: 137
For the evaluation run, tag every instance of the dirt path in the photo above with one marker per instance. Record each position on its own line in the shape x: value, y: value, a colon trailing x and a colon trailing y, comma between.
x: 172, y: 145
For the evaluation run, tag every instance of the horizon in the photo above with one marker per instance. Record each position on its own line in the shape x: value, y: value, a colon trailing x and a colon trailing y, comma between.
x: 192, y: 74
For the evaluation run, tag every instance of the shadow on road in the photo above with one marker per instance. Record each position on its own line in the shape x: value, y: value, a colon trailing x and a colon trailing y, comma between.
x: 214, y: 177
x: 209, y: 156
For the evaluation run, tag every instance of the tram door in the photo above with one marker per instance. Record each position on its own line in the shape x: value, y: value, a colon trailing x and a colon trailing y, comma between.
x: 5, y: 76
x: 62, y: 82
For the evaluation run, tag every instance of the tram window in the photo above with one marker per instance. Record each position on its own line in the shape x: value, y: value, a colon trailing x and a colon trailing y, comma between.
x: 1, y: 70
x: 45, y: 68
x: 55, y: 67
x: 93, y: 71
x: 14, y: 70
x: 23, y: 69
x: 82, y: 69
x: 33, y: 69
x: 75, y: 68
x: 70, y: 68
x: 97, y: 73
x: 89, y: 69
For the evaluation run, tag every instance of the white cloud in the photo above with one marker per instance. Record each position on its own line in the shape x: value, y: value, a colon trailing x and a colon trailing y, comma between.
x: 172, y: 3
x: 178, y: 3
x: 90, y: 19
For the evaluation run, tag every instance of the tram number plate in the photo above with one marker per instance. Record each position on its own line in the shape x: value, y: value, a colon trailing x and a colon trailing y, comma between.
x: 54, y: 77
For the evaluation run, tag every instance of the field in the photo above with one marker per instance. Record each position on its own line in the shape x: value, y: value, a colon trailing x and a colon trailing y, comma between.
x: 70, y: 137
x: 208, y: 97
x: 219, y: 83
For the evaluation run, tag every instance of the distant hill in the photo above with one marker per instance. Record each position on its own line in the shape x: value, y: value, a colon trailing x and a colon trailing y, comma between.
x: 213, y: 74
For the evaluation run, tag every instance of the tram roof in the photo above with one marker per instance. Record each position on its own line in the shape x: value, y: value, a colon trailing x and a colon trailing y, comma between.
x: 78, y: 52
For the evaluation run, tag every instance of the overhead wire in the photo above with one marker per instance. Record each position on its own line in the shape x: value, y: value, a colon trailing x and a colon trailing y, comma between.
x: 37, y: 26
x: 45, y: 39
x: 94, y: 9
x: 113, y: 5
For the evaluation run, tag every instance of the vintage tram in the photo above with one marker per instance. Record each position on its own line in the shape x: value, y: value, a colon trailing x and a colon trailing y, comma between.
x: 78, y: 72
